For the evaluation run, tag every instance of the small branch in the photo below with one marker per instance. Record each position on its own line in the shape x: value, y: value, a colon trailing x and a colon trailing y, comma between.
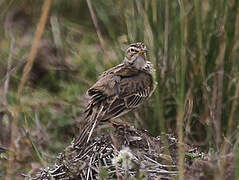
x: 4, y: 101
x: 218, y: 86
x: 97, y: 28
x: 225, y: 146
x: 36, y: 41
x: 166, y: 33
x: 9, y: 66
x: 27, y: 69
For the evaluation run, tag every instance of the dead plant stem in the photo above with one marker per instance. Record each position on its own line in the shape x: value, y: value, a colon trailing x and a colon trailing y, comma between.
x: 180, y: 109
x: 225, y: 145
x: 97, y: 28
x: 14, y: 125
x: 36, y: 41
x: 9, y: 66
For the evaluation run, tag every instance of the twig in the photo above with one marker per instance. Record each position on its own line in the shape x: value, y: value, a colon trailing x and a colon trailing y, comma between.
x: 36, y: 42
x: 166, y: 33
x: 157, y: 163
x: 9, y: 66
x: 57, y: 37
x: 33, y: 52
x: 97, y: 28
x: 88, y: 171
x: 235, y: 102
x: 225, y: 145
x: 218, y: 85
x: 4, y: 101
x: 114, y: 145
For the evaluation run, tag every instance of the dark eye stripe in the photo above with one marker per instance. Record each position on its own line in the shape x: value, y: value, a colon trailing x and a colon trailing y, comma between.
x: 134, y: 49
x: 133, y: 45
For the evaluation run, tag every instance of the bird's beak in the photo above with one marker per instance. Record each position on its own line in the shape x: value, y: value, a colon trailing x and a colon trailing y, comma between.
x: 142, y: 52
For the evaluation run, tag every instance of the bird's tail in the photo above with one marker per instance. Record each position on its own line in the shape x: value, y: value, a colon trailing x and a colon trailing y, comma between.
x: 91, y: 122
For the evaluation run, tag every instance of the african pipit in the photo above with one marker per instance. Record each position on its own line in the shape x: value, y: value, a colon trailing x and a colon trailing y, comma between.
x: 118, y: 90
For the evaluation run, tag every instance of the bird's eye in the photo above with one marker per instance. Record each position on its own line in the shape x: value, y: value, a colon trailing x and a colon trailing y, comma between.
x: 132, y: 50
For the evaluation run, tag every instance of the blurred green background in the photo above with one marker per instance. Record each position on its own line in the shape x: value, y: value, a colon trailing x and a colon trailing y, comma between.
x: 193, y: 45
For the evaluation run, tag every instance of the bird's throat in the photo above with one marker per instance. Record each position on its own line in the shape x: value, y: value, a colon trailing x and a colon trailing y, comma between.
x: 139, y: 62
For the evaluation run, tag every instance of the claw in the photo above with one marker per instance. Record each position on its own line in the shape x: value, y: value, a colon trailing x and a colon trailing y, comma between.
x: 119, y: 126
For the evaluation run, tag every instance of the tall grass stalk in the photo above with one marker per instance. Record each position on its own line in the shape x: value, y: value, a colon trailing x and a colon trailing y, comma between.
x: 97, y: 28
x: 14, y: 125
x: 5, y: 102
x: 181, y: 89
x: 38, y: 34
x: 225, y: 145
x: 199, y: 37
x: 9, y: 66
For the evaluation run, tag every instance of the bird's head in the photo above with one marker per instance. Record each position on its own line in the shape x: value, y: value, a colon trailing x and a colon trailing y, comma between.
x: 135, y: 55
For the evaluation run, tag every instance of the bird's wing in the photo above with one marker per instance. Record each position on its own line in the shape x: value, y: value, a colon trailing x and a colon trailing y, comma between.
x: 109, y: 83
x: 120, y: 92
x: 112, y: 70
x: 113, y: 95
x: 133, y: 91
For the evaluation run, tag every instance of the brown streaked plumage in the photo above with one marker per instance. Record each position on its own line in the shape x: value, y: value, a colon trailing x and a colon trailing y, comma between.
x: 118, y: 90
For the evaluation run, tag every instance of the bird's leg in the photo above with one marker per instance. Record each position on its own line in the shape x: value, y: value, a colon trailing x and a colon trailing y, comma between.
x: 121, y: 129
x: 118, y: 126
x: 125, y: 123
x: 115, y: 125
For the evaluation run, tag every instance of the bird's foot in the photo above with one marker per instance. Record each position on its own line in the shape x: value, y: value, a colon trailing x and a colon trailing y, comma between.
x: 119, y: 126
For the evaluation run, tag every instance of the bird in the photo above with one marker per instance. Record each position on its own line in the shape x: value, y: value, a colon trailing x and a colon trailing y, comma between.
x: 118, y: 91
